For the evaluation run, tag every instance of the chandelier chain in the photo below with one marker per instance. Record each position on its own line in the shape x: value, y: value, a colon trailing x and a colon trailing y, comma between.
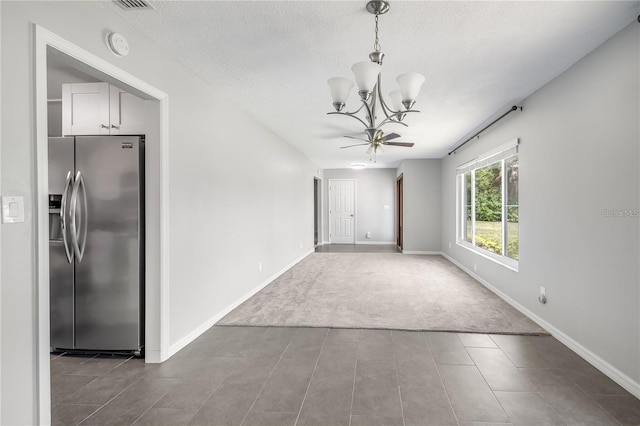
x: 376, y: 44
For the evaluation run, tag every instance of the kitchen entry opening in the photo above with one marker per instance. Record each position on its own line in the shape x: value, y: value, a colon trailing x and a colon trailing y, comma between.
x: 79, y: 62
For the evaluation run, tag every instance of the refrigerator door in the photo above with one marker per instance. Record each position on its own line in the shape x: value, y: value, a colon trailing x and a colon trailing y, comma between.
x: 61, y: 297
x: 108, y: 285
x: 61, y: 288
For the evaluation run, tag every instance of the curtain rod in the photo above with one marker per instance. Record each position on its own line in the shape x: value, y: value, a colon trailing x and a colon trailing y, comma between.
x: 513, y: 108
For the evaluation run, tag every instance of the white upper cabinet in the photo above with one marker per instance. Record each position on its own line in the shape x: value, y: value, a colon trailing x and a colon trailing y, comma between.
x: 85, y: 109
x: 126, y: 112
x: 100, y: 109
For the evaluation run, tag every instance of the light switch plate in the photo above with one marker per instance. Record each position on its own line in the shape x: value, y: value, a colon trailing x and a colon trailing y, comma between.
x: 12, y: 209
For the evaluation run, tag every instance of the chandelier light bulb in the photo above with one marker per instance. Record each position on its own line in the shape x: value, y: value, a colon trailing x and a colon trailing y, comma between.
x: 366, y: 74
x: 340, y: 88
x: 396, y: 100
x: 410, y: 85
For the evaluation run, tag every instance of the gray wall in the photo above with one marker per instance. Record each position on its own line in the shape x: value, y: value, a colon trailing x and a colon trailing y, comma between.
x: 229, y: 210
x: 579, y: 156
x: 375, y: 188
x: 422, y: 212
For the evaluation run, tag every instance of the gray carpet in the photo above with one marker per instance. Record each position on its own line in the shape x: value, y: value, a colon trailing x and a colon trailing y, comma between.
x: 380, y: 290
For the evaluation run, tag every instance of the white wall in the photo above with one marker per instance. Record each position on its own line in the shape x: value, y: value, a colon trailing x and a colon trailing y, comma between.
x: 579, y: 155
x: 375, y: 189
x: 422, y: 212
x: 238, y: 193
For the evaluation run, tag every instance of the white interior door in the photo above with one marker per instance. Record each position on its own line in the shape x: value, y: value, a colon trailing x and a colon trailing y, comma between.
x: 342, y: 195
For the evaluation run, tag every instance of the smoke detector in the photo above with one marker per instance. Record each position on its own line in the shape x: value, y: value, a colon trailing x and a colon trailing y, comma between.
x: 117, y: 44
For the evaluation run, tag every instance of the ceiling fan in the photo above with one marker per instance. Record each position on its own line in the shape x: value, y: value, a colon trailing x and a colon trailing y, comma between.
x: 376, y: 140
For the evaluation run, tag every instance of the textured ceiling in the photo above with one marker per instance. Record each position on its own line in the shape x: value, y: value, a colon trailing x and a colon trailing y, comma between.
x: 274, y: 57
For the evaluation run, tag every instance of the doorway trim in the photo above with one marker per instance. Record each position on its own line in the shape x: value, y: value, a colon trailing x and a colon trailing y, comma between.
x: 400, y: 211
x: 42, y: 39
x: 317, y: 211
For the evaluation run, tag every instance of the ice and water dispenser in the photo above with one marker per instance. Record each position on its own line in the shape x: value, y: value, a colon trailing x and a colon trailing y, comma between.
x: 55, y: 226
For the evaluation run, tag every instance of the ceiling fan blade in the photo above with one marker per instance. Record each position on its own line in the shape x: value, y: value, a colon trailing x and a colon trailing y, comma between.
x: 354, y: 137
x: 407, y: 144
x: 390, y: 136
x: 349, y: 146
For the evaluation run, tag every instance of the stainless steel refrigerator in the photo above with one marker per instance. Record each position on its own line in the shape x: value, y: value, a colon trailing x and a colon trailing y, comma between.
x: 96, y: 243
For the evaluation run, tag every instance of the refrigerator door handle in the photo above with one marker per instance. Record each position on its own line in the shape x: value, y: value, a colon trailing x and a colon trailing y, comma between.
x: 63, y: 216
x: 83, y: 218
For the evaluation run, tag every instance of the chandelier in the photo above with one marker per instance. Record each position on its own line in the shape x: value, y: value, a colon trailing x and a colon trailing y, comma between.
x: 367, y: 76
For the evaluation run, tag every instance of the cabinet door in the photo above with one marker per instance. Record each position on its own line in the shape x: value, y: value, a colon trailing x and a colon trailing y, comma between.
x: 127, y: 113
x: 85, y: 109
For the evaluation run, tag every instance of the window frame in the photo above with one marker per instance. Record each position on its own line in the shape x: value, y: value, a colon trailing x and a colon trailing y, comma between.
x: 501, y: 155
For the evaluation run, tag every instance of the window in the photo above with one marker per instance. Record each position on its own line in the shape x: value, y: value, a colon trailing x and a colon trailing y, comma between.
x: 488, y: 205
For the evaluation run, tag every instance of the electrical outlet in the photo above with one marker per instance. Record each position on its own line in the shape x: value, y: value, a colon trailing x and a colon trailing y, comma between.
x: 449, y: 244
x: 542, y: 297
x: 301, y: 244
x: 475, y: 268
x: 259, y: 266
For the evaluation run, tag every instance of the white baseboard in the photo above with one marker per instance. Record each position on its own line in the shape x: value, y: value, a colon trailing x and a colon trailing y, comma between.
x: 421, y: 252
x: 376, y: 242
x: 607, y: 369
x: 173, y: 349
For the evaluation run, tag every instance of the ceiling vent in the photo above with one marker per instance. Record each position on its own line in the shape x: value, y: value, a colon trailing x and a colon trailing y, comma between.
x: 133, y: 4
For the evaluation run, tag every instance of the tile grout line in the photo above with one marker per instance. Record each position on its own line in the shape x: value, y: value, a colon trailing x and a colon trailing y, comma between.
x: 267, y: 380
x: 484, y: 378
x: 355, y: 373
x: 150, y: 407
x: 555, y: 367
x: 315, y: 367
x: 395, y: 364
x: 446, y: 392
x: 114, y: 397
x: 73, y: 393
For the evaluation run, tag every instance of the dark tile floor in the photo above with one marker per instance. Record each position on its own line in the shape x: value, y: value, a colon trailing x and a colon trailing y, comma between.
x: 319, y: 376
x: 358, y: 248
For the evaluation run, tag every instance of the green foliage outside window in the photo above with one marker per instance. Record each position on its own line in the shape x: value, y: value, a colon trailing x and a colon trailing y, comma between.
x: 488, y: 195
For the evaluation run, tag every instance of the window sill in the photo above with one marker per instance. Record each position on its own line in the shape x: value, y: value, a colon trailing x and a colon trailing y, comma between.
x: 500, y: 260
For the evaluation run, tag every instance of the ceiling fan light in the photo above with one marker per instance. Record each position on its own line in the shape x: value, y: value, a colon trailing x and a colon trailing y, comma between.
x: 366, y: 74
x: 340, y: 88
x: 410, y: 85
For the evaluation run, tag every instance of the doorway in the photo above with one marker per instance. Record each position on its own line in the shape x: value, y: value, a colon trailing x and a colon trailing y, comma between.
x: 342, y: 211
x: 317, y: 185
x: 399, y: 210
x: 156, y: 199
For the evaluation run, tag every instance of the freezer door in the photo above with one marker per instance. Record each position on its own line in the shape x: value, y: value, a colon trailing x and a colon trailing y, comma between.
x: 61, y: 163
x: 61, y: 297
x: 108, y: 287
